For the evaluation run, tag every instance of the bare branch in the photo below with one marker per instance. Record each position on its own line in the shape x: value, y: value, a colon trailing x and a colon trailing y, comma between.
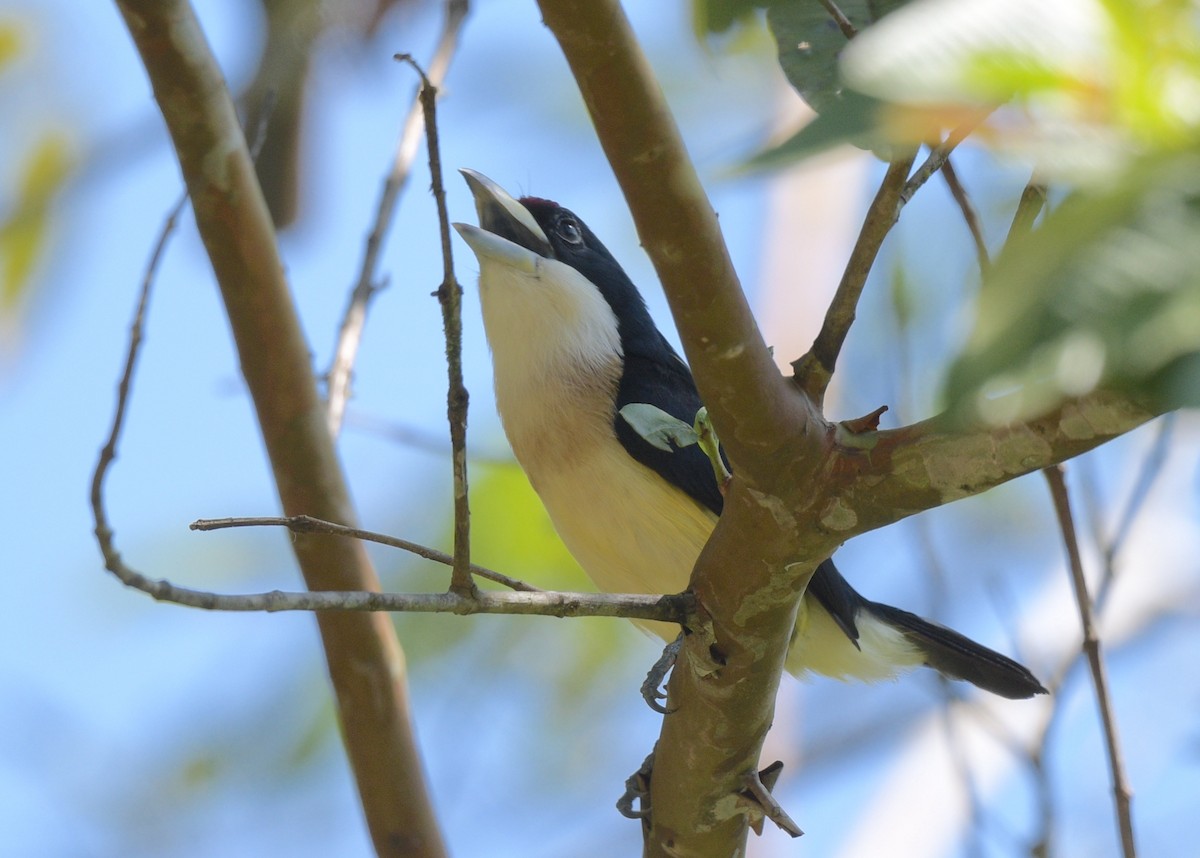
x: 449, y: 295
x: 839, y: 17
x: 308, y: 524
x: 970, y: 216
x: 545, y: 603
x: 1148, y: 472
x: 938, y: 156
x: 108, y: 453
x: 365, y: 661
x: 813, y: 370
x: 1122, y: 792
x: 1152, y: 466
x: 355, y: 318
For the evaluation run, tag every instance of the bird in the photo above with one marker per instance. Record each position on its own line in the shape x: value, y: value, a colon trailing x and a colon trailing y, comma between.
x: 572, y: 343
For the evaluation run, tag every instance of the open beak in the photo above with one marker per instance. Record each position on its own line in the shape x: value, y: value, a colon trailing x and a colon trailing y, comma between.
x: 507, y: 231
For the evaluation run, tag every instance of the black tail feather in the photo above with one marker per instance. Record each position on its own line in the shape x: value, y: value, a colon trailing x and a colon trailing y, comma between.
x: 959, y: 657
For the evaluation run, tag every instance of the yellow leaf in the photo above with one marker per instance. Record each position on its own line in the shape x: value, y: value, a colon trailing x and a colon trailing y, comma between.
x: 11, y: 42
x: 24, y: 232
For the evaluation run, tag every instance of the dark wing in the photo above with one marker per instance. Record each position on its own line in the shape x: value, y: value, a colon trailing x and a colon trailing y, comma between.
x: 658, y: 377
x: 663, y: 380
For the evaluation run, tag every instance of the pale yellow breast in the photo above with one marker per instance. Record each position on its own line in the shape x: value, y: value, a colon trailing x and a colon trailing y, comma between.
x: 631, y: 531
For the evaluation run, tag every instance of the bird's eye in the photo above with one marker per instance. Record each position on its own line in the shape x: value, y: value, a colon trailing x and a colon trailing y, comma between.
x: 568, y: 231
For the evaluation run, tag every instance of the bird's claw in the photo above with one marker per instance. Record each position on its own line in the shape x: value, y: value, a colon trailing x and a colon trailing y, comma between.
x: 657, y: 675
x: 637, y: 788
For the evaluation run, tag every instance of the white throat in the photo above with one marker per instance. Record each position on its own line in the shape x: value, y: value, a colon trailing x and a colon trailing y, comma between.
x: 556, y: 353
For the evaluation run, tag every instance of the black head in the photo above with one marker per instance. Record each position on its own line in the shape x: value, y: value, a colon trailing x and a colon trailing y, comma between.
x: 573, y: 243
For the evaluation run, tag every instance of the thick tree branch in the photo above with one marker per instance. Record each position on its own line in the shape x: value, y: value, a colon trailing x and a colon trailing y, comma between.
x: 744, y: 392
x: 890, y: 475
x: 365, y: 661
x: 773, y: 435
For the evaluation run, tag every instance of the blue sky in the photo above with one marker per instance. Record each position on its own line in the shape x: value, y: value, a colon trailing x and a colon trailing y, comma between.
x: 131, y: 728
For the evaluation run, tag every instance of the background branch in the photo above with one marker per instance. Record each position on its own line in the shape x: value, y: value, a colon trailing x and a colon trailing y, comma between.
x: 341, y: 368
x: 1122, y: 793
x: 364, y: 657
x: 813, y: 371
x: 308, y: 524
x: 970, y: 216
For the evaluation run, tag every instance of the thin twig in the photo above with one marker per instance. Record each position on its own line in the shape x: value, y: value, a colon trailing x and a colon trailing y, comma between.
x: 449, y: 295
x: 308, y: 524
x: 970, y: 216
x: 1148, y: 473
x: 634, y: 606
x: 354, y: 320
x: 671, y: 609
x: 844, y: 24
x: 1122, y: 794
x: 108, y: 453
x: 938, y: 156
x: 814, y: 369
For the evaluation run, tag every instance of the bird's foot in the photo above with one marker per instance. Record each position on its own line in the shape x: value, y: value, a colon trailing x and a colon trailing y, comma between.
x: 657, y: 676
x: 637, y: 788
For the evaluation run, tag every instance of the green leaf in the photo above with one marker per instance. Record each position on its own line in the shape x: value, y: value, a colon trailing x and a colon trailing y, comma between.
x: 658, y: 427
x: 809, y: 42
x: 902, y: 296
x: 714, y: 17
x: 1105, y: 294
x: 854, y: 119
x: 1093, y: 86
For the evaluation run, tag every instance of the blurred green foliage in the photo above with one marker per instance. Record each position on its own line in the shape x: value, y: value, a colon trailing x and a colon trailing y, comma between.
x: 1101, y: 98
x: 1106, y: 293
x: 809, y: 43
x: 11, y: 43
x: 26, y: 206
x: 510, y: 531
x: 25, y: 229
